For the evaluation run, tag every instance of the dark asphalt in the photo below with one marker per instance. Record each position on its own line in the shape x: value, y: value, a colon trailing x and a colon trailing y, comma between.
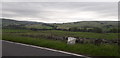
x: 11, y: 49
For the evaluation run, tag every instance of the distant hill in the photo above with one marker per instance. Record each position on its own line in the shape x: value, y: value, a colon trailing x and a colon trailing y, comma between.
x: 25, y: 24
x: 100, y: 24
x: 7, y: 22
x: 105, y: 25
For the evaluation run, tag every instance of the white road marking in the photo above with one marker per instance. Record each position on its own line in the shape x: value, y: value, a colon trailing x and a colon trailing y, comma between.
x: 47, y: 49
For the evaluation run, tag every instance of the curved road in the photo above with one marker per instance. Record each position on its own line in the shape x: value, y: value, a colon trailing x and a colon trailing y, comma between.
x: 13, y: 49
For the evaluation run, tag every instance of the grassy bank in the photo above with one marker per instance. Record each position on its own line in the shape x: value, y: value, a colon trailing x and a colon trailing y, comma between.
x: 85, y: 49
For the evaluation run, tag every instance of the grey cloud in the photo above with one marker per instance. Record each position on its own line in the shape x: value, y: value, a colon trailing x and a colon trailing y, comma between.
x: 51, y: 10
x: 60, y: 0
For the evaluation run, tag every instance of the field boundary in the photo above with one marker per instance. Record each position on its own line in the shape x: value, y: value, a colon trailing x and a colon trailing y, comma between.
x: 47, y: 49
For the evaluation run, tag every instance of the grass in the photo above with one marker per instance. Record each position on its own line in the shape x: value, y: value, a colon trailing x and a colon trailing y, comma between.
x: 65, y: 33
x: 38, y: 26
x: 68, y: 33
x: 82, y: 34
x: 86, y: 49
x: 15, y: 30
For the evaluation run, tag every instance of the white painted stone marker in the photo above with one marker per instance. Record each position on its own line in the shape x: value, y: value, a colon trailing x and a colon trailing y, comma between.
x: 71, y: 40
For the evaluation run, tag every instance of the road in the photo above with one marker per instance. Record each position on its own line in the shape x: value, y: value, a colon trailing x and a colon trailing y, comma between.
x: 13, y: 49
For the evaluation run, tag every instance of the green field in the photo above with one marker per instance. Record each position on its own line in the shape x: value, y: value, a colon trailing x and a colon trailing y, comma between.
x: 67, y: 33
x: 85, y: 49
x: 38, y: 26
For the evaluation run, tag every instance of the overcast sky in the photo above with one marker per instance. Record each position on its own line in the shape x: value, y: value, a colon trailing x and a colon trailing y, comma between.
x: 60, y: 12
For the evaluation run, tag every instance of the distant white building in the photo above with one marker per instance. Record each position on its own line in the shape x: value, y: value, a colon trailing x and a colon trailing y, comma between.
x: 71, y: 40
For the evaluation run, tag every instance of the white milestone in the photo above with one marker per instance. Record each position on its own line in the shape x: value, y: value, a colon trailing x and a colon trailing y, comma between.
x: 71, y: 40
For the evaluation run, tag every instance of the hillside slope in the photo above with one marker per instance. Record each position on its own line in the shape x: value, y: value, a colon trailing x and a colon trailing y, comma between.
x: 104, y: 25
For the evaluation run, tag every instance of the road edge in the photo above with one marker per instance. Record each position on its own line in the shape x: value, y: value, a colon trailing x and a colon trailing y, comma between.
x: 47, y: 49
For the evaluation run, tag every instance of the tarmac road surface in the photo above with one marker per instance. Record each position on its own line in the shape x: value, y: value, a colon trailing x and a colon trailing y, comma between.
x: 13, y: 49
